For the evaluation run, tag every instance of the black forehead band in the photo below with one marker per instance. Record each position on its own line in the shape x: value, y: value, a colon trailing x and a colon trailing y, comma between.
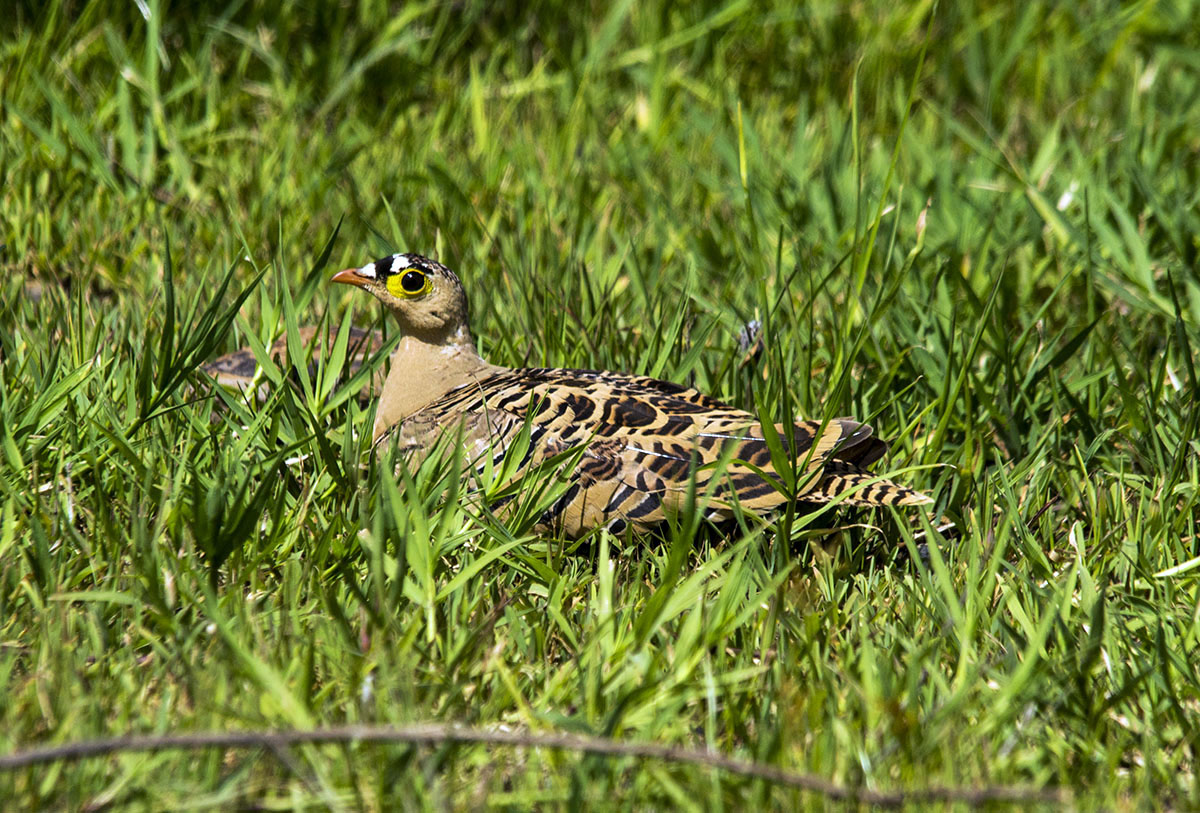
x: 383, y: 266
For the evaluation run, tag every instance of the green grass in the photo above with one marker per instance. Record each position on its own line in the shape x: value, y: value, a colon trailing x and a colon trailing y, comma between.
x: 973, y: 223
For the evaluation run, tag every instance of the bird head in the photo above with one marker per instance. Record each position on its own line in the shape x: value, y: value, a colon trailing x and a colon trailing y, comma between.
x: 426, y: 296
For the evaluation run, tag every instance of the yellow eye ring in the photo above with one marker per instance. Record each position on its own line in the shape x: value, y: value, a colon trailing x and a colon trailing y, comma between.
x: 412, y: 283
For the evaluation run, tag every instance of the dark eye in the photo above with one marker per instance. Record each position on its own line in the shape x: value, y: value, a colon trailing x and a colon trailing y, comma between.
x: 413, y: 282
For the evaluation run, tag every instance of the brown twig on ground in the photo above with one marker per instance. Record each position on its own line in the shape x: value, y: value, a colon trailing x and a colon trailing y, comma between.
x: 438, y: 734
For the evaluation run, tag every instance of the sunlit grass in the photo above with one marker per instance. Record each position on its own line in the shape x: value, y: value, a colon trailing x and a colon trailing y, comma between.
x: 990, y: 254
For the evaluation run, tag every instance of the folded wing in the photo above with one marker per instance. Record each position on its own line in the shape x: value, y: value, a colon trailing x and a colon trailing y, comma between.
x: 645, y: 440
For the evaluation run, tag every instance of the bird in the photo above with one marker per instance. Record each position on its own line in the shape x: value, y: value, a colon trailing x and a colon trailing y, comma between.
x: 640, y: 445
x: 237, y: 370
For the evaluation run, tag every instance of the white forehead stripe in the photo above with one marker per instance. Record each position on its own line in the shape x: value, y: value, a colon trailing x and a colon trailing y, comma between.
x: 399, y: 261
x: 367, y: 271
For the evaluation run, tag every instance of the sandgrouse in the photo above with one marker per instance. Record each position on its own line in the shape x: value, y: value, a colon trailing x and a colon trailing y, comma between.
x: 641, y: 440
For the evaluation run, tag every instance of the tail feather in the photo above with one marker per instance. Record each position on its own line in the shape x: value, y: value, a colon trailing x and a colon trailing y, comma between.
x: 864, y: 488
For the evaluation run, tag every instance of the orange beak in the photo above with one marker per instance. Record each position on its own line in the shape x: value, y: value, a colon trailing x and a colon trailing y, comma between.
x: 350, y: 277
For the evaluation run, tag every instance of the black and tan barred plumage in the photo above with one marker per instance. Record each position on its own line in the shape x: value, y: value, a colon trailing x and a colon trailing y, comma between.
x: 643, y: 440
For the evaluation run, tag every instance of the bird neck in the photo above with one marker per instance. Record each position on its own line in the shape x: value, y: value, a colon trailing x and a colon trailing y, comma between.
x: 423, y: 369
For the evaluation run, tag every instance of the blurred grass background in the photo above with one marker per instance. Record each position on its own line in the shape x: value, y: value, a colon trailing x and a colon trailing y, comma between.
x: 974, y: 223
